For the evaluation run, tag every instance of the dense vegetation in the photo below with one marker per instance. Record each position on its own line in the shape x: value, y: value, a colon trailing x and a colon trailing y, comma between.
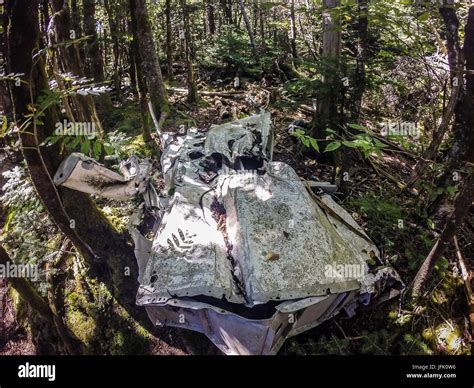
x: 374, y: 95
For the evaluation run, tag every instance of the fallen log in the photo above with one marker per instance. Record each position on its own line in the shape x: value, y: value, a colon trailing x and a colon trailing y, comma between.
x: 225, y: 94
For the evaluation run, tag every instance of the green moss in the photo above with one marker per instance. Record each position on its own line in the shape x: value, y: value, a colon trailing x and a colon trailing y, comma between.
x: 102, y: 324
x: 446, y: 338
x: 83, y: 326
x: 129, y: 341
x: 118, y: 221
x: 137, y: 146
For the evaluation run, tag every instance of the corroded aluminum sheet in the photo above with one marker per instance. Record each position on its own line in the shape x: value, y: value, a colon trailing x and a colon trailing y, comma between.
x: 243, y: 251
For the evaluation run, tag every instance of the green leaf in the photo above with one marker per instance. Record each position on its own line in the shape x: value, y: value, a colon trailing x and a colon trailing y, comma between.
x: 4, y: 125
x: 97, y: 148
x: 431, y: 224
x: 85, y: 147
x: 334, y: 145
x: 10, y: 216
x: 379, y: 144
x: 424, y: 17
x: 305, y: 141
x: 50, y: 140
x: 298, y: 132
x: 314, y: 143
x: 74, y: 143
x: 109, y: 150
x: 451, y: 190
x: 356, y: 126
x: 349, y: 144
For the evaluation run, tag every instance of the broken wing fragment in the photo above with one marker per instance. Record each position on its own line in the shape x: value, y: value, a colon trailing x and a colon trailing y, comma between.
x: 81, y: 173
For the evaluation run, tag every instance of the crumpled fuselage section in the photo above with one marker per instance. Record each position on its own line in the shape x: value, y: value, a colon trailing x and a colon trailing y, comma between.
x: 243, y: 250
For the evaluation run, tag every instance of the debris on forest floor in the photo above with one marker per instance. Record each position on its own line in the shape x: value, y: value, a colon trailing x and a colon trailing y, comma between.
x: 206, y: 270
x: 364, y: 179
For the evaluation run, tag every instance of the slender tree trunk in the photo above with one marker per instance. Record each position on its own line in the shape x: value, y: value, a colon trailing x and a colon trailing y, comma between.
x: 45, y: 19
x: 461, y: 157
x: 248, y: 26
x: 326, y: 112
x: 169, y: 41
x: 294, y: 52
x: 26, y: 290
x: 28, y: 293
x: 76, y: 24
x: 94, y: 63
x: 227, y: 11
x: 150, y: 64
x: 210, y: 17
x: 71, y: 59
x: 261, y: 14
x: 112, y: 16
x: 464, y: 123
x: 132, y: 64
x: 189, y: 52
x: 456, y: 65
x: 141, y: 87
x: 359, y: 77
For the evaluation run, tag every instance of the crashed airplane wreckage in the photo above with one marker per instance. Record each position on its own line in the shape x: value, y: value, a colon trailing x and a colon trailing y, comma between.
x: 241, y: 249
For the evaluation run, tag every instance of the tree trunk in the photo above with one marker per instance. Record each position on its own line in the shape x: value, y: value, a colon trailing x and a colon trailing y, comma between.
x: 248, y: 26
x: 72, y: 62
x: 456, y: 65
x: 464, y: 124
x: 294, y: 53
x: 461, y: 151
x: 108, y: 255
x: 28, y: 293
x: 189, y: 53
x: 210, y: 17
x: 261, y: 15
x: 461, y: 156
x: 141, y: 86
x: 76, y: 25
x: 112, y: 16
x: 359, y: 77
x: 26, y: 290
x: 150, y: 64
x: 326, y: 112
x: 227, y: 11
x: 169, y: 41
x: 94, y: 63
x: 461, y: 209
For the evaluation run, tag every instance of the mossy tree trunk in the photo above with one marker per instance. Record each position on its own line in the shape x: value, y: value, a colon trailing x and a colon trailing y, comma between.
x: 107, y: 253
x: 149, y: 59
x: 29, y: 294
